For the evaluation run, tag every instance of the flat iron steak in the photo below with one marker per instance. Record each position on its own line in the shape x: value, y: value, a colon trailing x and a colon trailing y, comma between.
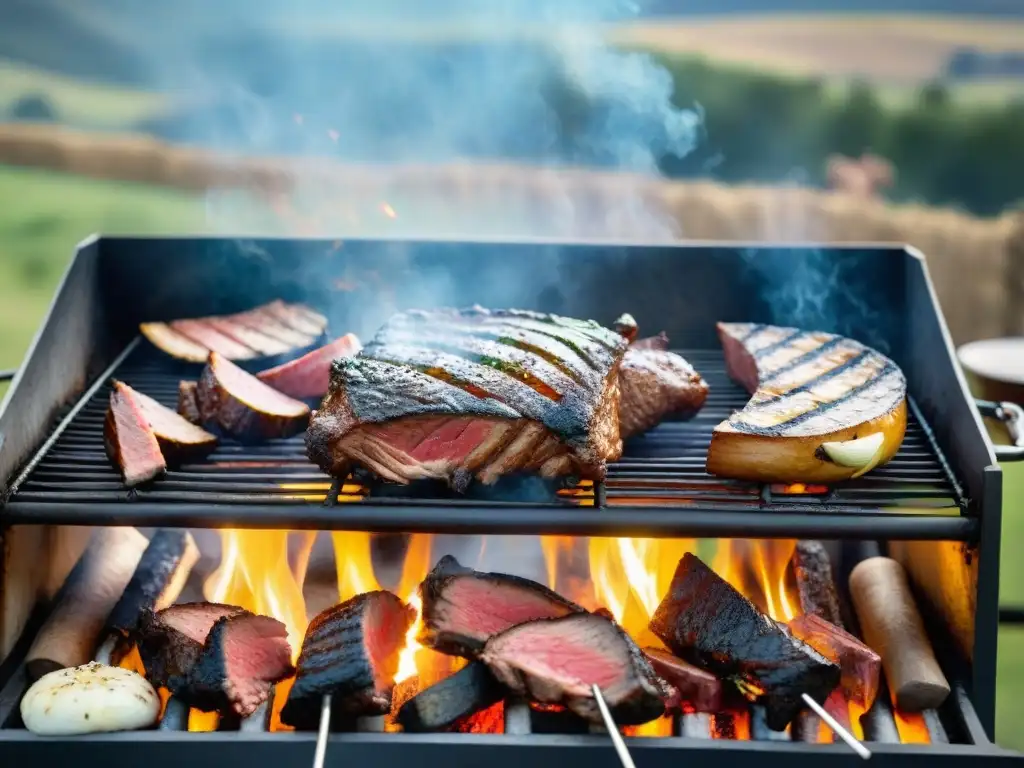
x: 456, y: 394
x: 823, y: 408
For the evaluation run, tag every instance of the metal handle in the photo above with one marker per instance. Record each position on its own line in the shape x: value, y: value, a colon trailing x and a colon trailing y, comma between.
x: 8, y: 375
x: 1012, y: 417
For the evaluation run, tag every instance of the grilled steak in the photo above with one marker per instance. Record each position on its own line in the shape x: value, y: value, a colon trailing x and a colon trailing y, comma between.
x: 659, y: 342
x: 450, y: 394
x: 310, y: 375
x: 129, y: 440
x: 815, y: 585
x: 813, y: 394
x: 556, y: 661
x: 243, y: 656
x: 463, y: 608
x: 170, y: 641
x: 655, y: 383
x: 245, y: 407
x: 442, y: 705
x: 350, y: 651
x: 272, y: 329
x: 157, y: 581
x: 180, y: 440
x: 188, y: 401
x: 860, y: 666
x: 699, y: 690
x: 704, y: 620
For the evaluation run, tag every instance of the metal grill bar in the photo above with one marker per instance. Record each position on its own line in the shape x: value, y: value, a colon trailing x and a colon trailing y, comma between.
x: 658, y: 488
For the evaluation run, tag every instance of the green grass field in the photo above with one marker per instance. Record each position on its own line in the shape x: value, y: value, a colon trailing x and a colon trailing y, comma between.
x: 44, y: 215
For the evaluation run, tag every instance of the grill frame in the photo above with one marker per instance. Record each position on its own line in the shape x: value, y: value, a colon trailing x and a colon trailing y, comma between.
x: 110, y: 285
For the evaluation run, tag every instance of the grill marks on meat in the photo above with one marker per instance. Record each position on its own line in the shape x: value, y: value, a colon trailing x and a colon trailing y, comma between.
x: 442, y: 705
x: 243, y: 657
x: 453, y: 394
x: 130, y: 441
x: 245, y: 407
x: 703, y: 619
x: 464, y: 608
x: 699, y: 690
x: 350, y: 651
x: 170, y: 641
x: 180, y: 440
x: 272, y: 329
x: 555, y: 661
x: 310, y: 375
x: 807, y: 388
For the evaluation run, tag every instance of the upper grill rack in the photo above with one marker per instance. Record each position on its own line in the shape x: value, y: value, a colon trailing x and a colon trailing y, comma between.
x: 658, y: 488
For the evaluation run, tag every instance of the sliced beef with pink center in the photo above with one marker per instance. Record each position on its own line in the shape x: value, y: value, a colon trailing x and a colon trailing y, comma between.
x: 463, y: 608
x: 180, y: 440
x: 350, y: 651
x: 243, y: 657
x: 556, y: 661
x: 170, y: 641
x: 129, y: 439
x: 310, y: 375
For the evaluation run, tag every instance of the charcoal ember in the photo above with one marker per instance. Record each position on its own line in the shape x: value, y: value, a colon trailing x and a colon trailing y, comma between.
x: 130, y: 441
x: 310, y: 375
x: 699, y: 690
x: 556, y: 661
x: 442, y: 705
x: 243, y: 657
x: 860, y: 666
x: 170, y: 641
x: 463, y: 608
x: 188, y: 401
x: 815, y: 585
x: 243, y: 406
x: 705, y: 621
x: 350, y: 651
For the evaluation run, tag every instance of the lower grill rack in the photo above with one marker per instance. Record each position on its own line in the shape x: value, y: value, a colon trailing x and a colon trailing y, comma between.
x: 659, y: 487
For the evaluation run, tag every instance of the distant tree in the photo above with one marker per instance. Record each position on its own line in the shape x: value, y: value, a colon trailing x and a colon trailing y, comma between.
x: 33, y: 107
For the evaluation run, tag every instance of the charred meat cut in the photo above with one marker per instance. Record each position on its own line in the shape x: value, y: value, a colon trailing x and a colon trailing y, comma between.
x: 861, y: 667
x: 556, y: 661
x: 310, y: 375
x: 170, y: 641
x: 180, y: 440
x: 463, y: 608
x: 653, y: 384
x: 243, y: 406
x: 451, y: 395
x: 823, y: 407
x: 188, y: 401
x: 815, y: 585
x: 442, y: 705
x: 350, y: 651
x: 129, y: 439
x: 704, y: 620
x: 243, y: 656
x: 699, y: 690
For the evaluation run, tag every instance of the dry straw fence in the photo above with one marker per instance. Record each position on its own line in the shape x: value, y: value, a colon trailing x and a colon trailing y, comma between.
x: 977, y: 264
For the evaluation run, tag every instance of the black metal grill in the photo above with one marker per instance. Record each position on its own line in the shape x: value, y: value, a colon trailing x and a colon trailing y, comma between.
x: 658, y: 486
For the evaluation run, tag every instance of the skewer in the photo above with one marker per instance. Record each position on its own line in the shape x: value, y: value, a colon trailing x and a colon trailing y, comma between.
x: 321, y: 738
x: 613, y: 730
x: 839, y: 731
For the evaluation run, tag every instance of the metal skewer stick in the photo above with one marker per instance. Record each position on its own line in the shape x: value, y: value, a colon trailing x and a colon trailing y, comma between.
x: 613, y: 730
x: 841, y: 732
x: 325, y: 728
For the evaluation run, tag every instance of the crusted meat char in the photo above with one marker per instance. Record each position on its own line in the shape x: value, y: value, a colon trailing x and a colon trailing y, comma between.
x: 704, y: 620
x: 442, y: 705
x: 808, y: 389
x: 454, y: 394
x: 463, y: 608
x: 170, y: 641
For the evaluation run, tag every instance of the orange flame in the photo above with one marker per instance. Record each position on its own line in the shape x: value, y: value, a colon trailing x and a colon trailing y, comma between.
x: 911, y: 727
x: 758, y: 569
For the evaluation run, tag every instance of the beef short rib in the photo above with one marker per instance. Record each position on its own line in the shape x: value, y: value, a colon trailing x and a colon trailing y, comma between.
x: 442, y: 705
x: 170, y: 641
x: 243, y: 406
x: 704, y: 620
x: 310, y: 375
x: 242, y: 657
x: 556, y: 661
x: 350, y: 651
x: 813, y: 394
x: 451, y: 395
x: 463, y: 608
x: 130, y: 441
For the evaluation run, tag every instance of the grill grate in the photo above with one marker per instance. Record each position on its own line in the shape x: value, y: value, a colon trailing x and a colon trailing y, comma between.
x: 658, y: 487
